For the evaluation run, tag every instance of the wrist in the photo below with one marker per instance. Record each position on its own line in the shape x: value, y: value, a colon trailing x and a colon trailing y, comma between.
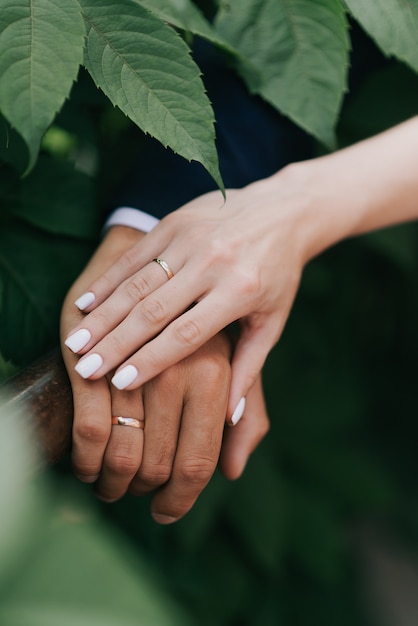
x: 305, y: 203
x: 321, y: 217
x: 365, y: 187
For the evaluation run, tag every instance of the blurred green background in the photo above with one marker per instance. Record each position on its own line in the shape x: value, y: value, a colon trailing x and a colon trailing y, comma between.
x: 289, y: 543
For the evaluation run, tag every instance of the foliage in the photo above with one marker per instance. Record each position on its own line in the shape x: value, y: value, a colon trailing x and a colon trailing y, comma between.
x: 294, y: 53
x: 59, y: 562
x: 74, y: 84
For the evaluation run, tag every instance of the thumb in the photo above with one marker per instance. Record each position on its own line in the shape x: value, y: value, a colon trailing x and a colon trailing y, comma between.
x: 251, y: 350
x: 241, y: 441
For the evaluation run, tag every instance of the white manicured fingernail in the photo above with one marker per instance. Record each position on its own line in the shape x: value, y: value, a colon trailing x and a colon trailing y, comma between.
x: 78, y: 340
x: 125, y: 377
x: 239, y: 412
x: 86, y: 367
x: 85, y: 300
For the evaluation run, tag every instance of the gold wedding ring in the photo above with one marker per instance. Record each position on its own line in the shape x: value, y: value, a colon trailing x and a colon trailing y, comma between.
x: 118, y: 420
x: 165, y: 267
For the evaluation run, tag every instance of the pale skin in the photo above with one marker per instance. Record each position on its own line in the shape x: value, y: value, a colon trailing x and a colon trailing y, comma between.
x: 241, y: 260
x: 184, y: 436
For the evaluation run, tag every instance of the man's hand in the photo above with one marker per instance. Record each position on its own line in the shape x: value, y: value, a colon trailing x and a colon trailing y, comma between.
x: 182, y: 410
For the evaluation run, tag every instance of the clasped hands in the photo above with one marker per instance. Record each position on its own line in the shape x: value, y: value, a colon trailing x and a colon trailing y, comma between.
x: 183, y: 407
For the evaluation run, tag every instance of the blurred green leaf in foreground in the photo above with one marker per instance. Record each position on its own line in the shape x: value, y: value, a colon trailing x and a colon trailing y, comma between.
x: 60, y: 564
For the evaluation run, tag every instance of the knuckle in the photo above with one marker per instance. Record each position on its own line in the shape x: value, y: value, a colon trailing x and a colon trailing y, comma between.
x: 85, y: 468
x: 217, y: 252
x: 261, y: 430
x: 188, y: 332
x: 104, y: 283
x: 168, y: 380
x: 154, y: 474
x: 214, y: 369
x: 247, y: 282
x: 175, y: 222
x: 101, y: 317
x: 196, y: 470
x: 264, y: 427
x: 93, y: 431
x: 137, y: 288
x: 170, y: 220
x: 122, y: 464
x: 152, y: 311
x: 129, y: 259
x: 115, y: 344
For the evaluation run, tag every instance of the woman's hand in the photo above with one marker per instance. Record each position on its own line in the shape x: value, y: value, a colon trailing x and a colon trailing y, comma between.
x: 241, y: 260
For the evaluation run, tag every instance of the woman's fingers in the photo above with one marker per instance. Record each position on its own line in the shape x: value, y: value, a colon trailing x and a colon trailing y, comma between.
x: 129, y: 262
x: 115, y: 308
x: 174, y: 227
x: 258, y: 334
x: 181, y: 338
x: 240, y: 441
x: 123, y: 454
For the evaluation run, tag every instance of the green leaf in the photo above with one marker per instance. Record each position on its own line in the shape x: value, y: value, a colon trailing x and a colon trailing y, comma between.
x: 23, y: 500
x: 36, y: 270
x: 41, y: 48
x: 7, y: 368
x: 145, y: 69
x: 369, y: 111
x: 183, y: 14
x: 296, y: 55
x: 393, y: 24
x: 68, y: 208
x: 102, y: 581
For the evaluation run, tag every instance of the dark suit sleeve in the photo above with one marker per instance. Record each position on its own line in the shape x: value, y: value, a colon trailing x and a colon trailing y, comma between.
x: 253, y: 142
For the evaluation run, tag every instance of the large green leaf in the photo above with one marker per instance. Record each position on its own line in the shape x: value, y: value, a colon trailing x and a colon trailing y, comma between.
x: 23, y: 501
x: 296, y: 55
x: 393, y: 24
x: 69, y: 207
x: 85, y: 573
x: 185, y: 15
x: 145, y: 68
x: 41, y: 48
x: 7, y: 369
x: 36, y: 270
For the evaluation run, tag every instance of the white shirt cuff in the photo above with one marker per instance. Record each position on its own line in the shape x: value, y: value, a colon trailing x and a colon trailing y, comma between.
x: 134, y: 218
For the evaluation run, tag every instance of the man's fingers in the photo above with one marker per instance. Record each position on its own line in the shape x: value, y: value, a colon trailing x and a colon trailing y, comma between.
x: 163, y: 405
x: 199, y: 442
x: 123, y: 453
x: 91, y: 427
x: 241, y: 440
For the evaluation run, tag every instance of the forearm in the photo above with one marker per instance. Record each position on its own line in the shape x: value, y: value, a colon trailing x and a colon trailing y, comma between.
x: 362, y: 188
